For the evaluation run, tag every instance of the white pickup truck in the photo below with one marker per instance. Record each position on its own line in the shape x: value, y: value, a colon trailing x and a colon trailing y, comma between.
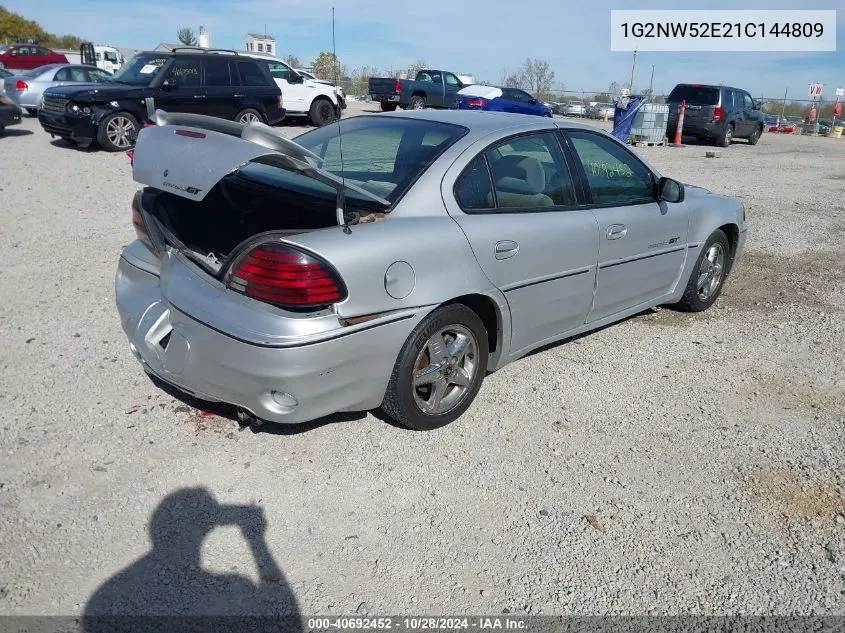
x: 319, y: 101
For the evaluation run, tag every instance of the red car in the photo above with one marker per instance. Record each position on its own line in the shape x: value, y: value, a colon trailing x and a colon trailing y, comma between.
x: 29, y: 56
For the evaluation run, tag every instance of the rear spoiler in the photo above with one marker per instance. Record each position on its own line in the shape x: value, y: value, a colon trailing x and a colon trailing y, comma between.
x: 187, y: 154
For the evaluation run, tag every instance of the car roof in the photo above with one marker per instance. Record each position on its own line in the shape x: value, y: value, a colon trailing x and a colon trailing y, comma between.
x: 483, y: 122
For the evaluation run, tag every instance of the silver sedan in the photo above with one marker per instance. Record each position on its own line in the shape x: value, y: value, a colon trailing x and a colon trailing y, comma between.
x: 27, y: 88
x: 293, y: 281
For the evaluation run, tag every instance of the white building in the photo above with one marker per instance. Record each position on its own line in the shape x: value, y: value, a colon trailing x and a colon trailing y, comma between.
x: 257, y: 43
x: 205, y: 38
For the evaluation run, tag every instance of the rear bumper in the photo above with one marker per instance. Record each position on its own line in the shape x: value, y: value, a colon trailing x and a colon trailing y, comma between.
x: 395, y: 98
x: 10, y: 115
x: 695, y: 128
x: 347, y: 371
x: 78, y: 129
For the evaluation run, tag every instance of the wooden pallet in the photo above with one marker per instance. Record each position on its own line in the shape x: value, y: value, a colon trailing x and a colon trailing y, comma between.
x: 648, y: 143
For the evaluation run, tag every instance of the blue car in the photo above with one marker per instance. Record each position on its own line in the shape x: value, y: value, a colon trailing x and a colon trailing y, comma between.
x: 771, y: 120
x: 496, y: 99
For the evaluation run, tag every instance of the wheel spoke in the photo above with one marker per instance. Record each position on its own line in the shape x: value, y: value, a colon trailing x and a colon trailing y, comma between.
x: 436, y: 348
x: 426, y: 375
x: 460, y: 378
x: 458, y: 347
x: 440, y: 387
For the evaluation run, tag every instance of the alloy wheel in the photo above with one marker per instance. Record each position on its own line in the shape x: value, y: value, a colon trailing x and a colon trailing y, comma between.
x: 445, y: 369
x: 119, y: 131
x: 711, y: 272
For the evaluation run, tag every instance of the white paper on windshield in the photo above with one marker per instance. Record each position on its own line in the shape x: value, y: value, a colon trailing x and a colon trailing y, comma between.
x: 147, y: 69
x: 485, y: 92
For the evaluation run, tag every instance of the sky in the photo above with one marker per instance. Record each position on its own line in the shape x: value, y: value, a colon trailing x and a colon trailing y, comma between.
x: 484, y: 38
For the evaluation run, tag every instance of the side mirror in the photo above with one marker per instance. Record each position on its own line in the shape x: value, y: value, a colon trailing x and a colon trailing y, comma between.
x: 295, y: 78
x: 168, y: 84
x: 670, y: 190
x: 756, y: 106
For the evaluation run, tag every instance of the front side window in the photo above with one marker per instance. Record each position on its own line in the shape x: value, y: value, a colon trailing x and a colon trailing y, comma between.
x: 614, y: 175
x: 451, y: 80
x: 278, y: 70
x: 747, y: 101
x: 185, y: 72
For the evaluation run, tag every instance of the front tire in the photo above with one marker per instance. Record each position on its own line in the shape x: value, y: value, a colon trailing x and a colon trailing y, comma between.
x: 708, y: 277
x: 388, y: 107
x: 117, y: 132
x: 32, y: 111
x: 322, y: 112
x: 755, y: 135
x: 439, y: 371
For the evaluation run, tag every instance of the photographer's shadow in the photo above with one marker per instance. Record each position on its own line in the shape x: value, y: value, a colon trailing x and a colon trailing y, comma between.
x: 170, y: 584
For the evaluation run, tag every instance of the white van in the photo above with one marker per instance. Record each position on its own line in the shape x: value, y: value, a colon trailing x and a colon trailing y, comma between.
x: 320, y: 101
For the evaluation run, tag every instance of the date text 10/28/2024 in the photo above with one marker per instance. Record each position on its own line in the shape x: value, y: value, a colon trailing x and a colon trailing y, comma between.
x: 408, y: 624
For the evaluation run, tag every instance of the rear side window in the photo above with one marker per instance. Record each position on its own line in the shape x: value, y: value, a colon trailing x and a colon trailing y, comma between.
x: 695, y: 95
x: 217, y: 72
x: 251, y: 74
x: 474, y: 191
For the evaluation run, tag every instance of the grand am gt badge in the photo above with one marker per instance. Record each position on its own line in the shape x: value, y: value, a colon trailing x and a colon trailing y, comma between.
x: 191, y: 190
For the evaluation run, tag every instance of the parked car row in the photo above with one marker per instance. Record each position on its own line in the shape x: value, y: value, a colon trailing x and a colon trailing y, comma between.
x: 85, y: 105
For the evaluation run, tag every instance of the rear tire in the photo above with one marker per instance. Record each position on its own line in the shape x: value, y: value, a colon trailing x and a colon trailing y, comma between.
x: 417, y: 102
x: 249, y: 115
x: 726, y: 136
x: 388, y: 107
x: 439, y: 371
x: 322, y: 112
x: 708, y: 277
x: 117, y: 132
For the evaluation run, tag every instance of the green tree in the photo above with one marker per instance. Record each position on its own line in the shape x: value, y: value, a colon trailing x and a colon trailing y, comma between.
x: 327, y: 66
x: 186, y: 36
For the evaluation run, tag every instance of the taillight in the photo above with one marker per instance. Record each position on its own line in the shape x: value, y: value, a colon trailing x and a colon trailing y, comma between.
x: 138, y: 218
x: 477, y: 103
x: 718, y: 113
x: 21, y: 85
x: 279, y: 101
x: 397, y: 87
x: 287, y: 277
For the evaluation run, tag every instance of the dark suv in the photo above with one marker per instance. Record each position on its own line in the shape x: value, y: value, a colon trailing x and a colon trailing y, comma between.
x: 715, y: 113
x: 214, y: 82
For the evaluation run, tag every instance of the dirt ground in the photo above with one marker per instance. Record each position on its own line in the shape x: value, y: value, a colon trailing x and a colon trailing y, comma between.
x: 667, y: 464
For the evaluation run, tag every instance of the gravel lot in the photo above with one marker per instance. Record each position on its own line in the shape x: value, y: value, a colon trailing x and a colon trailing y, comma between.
x: 668, y: 464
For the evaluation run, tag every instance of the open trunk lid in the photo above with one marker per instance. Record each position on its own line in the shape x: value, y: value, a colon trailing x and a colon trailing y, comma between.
x: 188, y: 154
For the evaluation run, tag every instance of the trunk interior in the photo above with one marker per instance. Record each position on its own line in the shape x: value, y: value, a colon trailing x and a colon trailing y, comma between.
x: 235, y: 210
x: 247, y: 202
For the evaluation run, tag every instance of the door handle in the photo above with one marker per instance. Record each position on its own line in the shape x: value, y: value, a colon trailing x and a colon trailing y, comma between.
x: 199, y: 96
x: 506, y: 248
x: 238, y: 96
x: 615, y: 231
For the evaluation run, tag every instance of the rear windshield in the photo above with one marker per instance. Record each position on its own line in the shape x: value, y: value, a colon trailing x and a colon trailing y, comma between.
x: 695, y: 95
x: 380, y: 154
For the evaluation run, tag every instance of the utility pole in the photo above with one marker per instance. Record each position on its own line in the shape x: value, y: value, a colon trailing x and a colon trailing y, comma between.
x: 633, y: 67
x: 651, y: 85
